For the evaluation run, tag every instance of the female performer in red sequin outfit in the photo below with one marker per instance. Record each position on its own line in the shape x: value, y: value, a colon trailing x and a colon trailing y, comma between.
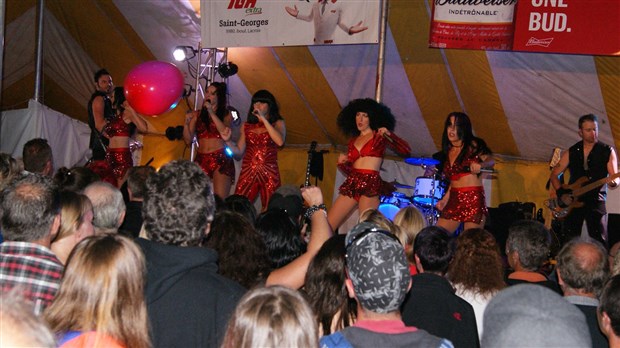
x: 214, y: 117
x: 465, y: 156
x: 370, y: 125
x: 258, y: 144
x: 118, y: 130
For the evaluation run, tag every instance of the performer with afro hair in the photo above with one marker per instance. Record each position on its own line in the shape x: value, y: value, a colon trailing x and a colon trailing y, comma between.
x: 370, y: 125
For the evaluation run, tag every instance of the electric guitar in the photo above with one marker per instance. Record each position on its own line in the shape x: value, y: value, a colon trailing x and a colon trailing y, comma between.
x: 310, y: 154
x: 560, y: 207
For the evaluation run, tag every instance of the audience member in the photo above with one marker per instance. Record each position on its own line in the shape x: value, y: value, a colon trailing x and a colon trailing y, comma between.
x: 19, y: 326
x: 527, y: 250
x: 288, y: 198
x: 271, y: 317
x: 189, y: 304
x: 75, y: 179
x: 583, y: 270
x: 108, y: 206
x: 609, y: 311
x: 374, y: 216
x: 432, y: 304
x: 325, y: 288
x: 37, y: 157
x: 30, y: 211
x: 614, y: 258
x: 9, y: 169
x: 281, y: 236
x: 242, y: 205
x: 241, y: 250
x: 528, y: 315
x: 476, y: 270
x: 410, y: 221
x: 76, y: 223
x: 101, y: 297
x: 136, y: 186
x: 378, y: 278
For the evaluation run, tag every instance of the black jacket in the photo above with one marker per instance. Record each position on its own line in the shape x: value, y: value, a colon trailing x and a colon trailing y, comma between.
x: 188, y: 303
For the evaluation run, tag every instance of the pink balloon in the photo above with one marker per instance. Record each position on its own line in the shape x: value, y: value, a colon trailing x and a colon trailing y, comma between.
x: 154, y: 87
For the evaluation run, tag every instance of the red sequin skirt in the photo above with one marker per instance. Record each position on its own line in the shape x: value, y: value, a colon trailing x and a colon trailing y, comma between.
x: 120, y: 161
x: 216, y: 160
x: 364, y: 182
x: 466, y: 204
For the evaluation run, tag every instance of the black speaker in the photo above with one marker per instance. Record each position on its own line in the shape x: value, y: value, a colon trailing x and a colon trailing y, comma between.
x: 613, y: 229
x: 504, y: 215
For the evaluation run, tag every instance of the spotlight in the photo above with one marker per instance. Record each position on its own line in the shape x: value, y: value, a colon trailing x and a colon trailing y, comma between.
x: 182, y: 53
x: 227, y: 70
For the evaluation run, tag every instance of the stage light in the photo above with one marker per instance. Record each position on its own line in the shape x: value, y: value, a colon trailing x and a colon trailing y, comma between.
x: 227, y: 70
x: 183, y: 53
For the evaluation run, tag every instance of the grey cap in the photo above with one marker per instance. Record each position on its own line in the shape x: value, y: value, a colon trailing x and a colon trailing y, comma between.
x: 377, y: 267
x: 529, y: 315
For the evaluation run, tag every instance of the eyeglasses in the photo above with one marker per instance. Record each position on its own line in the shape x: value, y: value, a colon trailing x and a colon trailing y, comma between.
x: 365, y: 233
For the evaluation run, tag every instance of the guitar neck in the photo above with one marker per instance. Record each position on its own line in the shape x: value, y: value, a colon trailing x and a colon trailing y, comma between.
x: 310, y: 154
x: 595, y: 184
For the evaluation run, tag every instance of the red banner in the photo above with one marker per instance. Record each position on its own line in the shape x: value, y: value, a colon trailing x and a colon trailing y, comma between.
x: 568, y: 26
x: 554, y: 26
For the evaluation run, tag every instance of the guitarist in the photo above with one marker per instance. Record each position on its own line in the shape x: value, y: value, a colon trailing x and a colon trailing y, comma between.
x: 592, y: 159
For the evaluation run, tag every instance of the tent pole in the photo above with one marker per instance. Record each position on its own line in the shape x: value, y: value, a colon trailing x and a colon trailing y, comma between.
x: 381, y: 60
x: 39, y: 53
x: 2, y: 9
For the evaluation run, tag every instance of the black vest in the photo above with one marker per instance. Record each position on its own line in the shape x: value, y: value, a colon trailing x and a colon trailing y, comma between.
x: 97, y: 141
x: 597, y: 168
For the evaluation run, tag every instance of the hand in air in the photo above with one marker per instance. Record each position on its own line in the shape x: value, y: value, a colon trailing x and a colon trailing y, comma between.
x: 188, y: 117
x: 474, y: 168
x: 312, y: 195
x: 358, y: 28
x: 383, y: 131
x: 292, y: 11
x: 342, y: 158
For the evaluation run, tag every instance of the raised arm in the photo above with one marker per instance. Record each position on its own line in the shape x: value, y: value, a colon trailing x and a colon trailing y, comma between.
x: 238, y: 149
x: 189, y: 126
x: 277, y: 131
x: 293, y: 274
x: 136, y: 119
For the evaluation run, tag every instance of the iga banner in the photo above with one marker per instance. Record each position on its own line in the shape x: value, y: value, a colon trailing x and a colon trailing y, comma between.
x: 568, y: 26
x: 253, y: 23
x: 472, y: 24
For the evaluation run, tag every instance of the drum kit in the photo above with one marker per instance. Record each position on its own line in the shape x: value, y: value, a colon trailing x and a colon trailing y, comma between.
x: 428, y: 190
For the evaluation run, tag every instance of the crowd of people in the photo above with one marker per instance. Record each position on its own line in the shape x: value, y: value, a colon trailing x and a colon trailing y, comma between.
x: 171, y: 259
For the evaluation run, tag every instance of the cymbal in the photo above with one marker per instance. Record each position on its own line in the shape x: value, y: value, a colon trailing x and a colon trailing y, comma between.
x: 421, y: 161
x: 402, y: 186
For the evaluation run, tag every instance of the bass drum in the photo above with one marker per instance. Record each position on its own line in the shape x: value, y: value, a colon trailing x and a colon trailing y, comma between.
x: 390, y: 205
x: 427, y: 190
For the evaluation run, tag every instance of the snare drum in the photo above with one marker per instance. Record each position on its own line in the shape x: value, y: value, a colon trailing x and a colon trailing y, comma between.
x: 390, y: 205
x: 423, y: 194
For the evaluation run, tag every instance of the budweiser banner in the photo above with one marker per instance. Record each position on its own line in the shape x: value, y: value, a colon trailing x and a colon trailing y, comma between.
x: 568, y: 26
x: 472, y: 24
x: 252, y: 23
x: 554, y: 26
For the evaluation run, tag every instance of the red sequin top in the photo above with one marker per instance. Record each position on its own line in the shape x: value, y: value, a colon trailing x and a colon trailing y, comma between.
x: 117, y: 127
x: 206, y: 131
x: 259, y: 146
x: 457, y: 170
x: 375, y: 147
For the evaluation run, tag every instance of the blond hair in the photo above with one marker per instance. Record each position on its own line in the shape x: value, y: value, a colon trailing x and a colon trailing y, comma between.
x: 272, y: 316
x: 410, y: 221
x: 73, y: 207
x: 102, y: 291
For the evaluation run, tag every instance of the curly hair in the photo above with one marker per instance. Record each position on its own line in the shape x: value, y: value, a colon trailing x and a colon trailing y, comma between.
x: 242, y: 253
x: 378, y: 113
x: 281, y: 236
x: 531, y: 240
x: 178, y: 204
x: 464, y: 131
x: 477, y: 262
x: 325, y: 287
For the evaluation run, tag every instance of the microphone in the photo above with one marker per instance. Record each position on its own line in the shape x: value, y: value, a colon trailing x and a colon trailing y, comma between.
x: 387, y: 137
x: 482, y: 170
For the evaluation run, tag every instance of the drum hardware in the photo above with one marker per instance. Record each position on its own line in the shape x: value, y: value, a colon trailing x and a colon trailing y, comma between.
x: 421, y: 161
x: 402, y: 186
